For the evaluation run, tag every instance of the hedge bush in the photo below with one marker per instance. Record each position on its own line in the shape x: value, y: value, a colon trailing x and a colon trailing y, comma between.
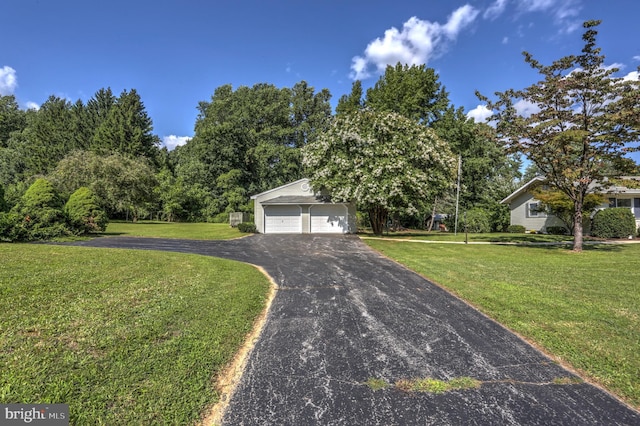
x: 516, y: 229
x: 556, y: 230
x: 10, y: 229
x: 3, y: 203
x: 477, y: 221
x: 615, y: 222
x: 247, y: 227
x: 221, y: 218
x: 40, y: 211
x: 84, y: 213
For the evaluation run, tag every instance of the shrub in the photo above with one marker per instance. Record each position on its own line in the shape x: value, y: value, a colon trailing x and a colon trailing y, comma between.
x: 40, y: 210
x: 3, y: 203
x: 221, y: 218
x: 10, y: 229
x: 615, y: 222
x: 362, y: 220
x: 556, y: 230
x: 83, y: 212
x: 247, y: 227
x: 478, y: 221
x: 516, y: 229
x: 500, y: 217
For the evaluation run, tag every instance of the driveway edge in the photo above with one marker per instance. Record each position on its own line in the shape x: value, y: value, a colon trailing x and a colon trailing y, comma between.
x: 229, y: 379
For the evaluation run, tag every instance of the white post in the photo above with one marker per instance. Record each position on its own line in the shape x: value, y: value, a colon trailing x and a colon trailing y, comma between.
x: 455, y: 232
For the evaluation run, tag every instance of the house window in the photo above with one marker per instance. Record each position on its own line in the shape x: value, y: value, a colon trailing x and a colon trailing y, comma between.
x: 534, y: 209
x: 620, y: 202
x: 624, y: 202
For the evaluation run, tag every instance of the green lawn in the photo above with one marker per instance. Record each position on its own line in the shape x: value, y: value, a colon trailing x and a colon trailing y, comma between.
x: 495, y: 237
x: 122, y: 336
x: 191, y: 231
x: 582, y: 308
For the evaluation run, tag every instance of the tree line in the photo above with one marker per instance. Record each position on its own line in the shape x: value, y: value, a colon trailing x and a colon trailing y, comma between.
x: 246, y: 141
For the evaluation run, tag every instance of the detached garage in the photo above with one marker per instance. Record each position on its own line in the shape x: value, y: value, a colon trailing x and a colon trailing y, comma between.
x: 294, y: 209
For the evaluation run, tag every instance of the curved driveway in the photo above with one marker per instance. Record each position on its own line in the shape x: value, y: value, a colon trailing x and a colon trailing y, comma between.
x: 344, y: 314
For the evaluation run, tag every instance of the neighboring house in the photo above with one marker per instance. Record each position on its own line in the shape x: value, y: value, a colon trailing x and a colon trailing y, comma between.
x: 295, y: 209
x: 525, y: 209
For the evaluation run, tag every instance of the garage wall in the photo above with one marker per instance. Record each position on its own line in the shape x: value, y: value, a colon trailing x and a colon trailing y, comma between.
x: 293, y: 188
x: 343, y: 217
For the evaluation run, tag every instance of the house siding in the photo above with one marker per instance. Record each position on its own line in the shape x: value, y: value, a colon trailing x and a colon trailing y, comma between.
x: 519, y: 200
x: 519, y: 215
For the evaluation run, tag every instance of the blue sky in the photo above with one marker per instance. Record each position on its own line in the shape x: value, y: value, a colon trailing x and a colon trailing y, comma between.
x: 176, y: 53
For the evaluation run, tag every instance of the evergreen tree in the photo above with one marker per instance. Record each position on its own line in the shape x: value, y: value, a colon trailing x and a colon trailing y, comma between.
x: 351, y: 102
x: 126, y: 129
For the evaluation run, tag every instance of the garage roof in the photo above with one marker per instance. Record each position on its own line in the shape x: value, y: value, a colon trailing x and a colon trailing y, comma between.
x: 297, y: 199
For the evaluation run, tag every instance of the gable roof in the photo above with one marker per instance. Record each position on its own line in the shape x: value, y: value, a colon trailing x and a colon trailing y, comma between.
x: 612, y: 189
x: 524, y: 188
x: 298, y: 199
x: 303, y: 180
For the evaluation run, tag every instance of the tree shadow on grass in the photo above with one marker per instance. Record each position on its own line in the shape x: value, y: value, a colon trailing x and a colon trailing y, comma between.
x: 568, y: 247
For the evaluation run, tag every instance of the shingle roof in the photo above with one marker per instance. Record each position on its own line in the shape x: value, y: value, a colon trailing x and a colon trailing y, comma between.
x: 298, y: 199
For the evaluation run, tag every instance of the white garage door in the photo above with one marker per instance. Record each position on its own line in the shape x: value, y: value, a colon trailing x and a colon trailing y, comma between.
x: 329, y: 218
x: 282, y: 220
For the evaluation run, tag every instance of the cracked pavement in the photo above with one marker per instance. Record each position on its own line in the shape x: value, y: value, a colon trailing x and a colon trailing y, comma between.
x: 343, y: 314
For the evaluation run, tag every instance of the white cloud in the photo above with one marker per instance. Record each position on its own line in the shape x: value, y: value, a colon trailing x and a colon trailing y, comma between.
x: 173, y: 141
x: 8, y: 80
x: 417, y: 43
x: 536, y: 5
x: 505, y: 40
x: 564, y: 12
x: 526, y: 108
x: 636, y: 58
x: 32, y: 105
x: 617, y: 65
x: 632, y: 76
x: 496, y: 9
x: 480, y: 113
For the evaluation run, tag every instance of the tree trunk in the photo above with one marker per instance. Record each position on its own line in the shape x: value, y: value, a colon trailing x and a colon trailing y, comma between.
x: 378, y: 216
x: 577, y: 226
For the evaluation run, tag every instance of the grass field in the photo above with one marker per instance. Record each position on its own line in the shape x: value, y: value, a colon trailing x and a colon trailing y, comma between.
x: 496, y: 237
x: 582, y: 308
x: 191, y: 231
x: 123, y: 337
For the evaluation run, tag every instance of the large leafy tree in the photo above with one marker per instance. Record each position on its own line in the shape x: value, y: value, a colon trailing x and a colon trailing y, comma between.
x: 248, y: 140
x: 384, y: 161
x: 123, y: 185
x: 412, y: 91
x: 586, y: 118
x: 488, y: 172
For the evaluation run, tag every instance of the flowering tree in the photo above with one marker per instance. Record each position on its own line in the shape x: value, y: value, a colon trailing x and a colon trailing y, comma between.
x: 586, y: 120
x: 385, y: 162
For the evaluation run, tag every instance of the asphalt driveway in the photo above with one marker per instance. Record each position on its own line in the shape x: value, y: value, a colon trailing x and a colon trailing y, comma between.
x: 344, y: 314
